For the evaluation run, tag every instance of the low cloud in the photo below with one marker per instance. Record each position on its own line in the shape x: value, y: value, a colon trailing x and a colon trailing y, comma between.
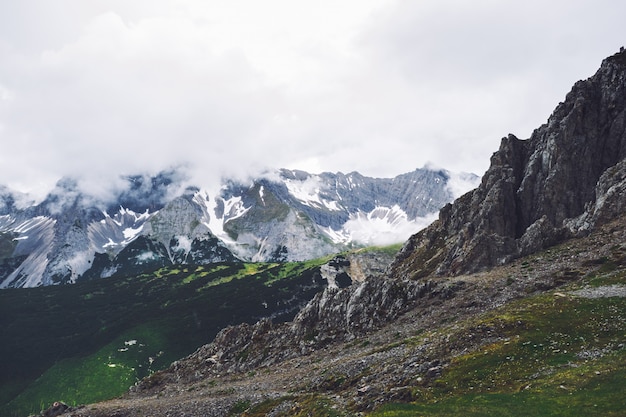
x: 234, y: 88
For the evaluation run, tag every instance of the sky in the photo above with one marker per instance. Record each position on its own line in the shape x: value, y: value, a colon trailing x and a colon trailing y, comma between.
x: 97, y: 89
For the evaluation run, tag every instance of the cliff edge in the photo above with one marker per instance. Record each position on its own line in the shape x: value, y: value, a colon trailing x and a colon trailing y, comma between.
x: 562, y: 182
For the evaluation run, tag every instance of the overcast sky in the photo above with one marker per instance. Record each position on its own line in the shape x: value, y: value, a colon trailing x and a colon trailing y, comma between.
x: 102, y: 88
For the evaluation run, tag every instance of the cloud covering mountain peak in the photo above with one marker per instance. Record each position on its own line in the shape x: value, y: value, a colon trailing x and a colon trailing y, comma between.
x: 146, y: 222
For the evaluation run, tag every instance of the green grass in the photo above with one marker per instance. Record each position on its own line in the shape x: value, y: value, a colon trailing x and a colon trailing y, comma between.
x: 605, y: 399
x: 60, y: 343
x: 573, y: 392
x: 391, y: 250
x: 106, y: 373
x: 554, y: 356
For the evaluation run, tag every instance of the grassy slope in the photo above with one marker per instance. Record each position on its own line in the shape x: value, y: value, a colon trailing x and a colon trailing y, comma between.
x: 550, y: 356
x: 555, y: 355
x: 552, y: 353
x: 546, y: 353
x: 92, y: 340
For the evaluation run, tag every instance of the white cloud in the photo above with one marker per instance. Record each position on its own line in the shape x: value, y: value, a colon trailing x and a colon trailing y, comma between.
x: 100, y: 89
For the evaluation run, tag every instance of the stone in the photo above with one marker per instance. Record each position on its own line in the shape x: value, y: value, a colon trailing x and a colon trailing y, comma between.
x: 56, y: 409
x: 567, y: 178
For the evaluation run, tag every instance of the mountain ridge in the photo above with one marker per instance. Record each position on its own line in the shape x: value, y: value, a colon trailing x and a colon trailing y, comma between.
x: 285, y: 215
x: 513, y: 297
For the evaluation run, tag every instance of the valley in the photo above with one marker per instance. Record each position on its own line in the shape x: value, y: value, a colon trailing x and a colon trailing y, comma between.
x: 93, y: 340
x: 511, y: 302
x: 542, y: 335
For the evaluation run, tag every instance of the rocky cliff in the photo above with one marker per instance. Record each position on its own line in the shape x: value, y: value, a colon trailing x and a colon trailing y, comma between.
x: 567, y: 180
x: 563, y: 181
x: 333, y: 316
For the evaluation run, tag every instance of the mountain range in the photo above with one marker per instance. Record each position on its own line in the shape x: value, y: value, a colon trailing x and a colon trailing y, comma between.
x: 510, y: 303
x: 154, y: 221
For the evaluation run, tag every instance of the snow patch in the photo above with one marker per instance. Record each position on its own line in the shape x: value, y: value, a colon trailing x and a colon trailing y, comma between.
x: 34, y: 223
x: 5, y: 221
x: 116, y: 232
x: 184, y: 244
x: 110, y: 244
x: 341, y: 236
x: 146, y: 256
x: 381, y: 226
x: 130, y: 233
x: 308, y: 192
x: 233, y: 209
x: 79, y: 263
x: 35, y: 237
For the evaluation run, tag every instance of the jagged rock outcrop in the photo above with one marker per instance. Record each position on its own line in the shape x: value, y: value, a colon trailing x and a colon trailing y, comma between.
x: 357, y: 266
x: 610, y: 200
x: 332, y: 316
x: 566, y: 180
x: 562, y: 181
x: 56, y: 409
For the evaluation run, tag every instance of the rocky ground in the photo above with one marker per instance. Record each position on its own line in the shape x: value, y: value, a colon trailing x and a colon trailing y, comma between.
x: 354, y: 376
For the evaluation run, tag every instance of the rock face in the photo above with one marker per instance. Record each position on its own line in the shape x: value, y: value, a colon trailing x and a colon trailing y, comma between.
x: 566, y: 179
x: 291, y: 215
x: 610, y: 200
x: 334, y: 315
x: 340, y: 313
x: 346, y: 269
x: 56, y: 409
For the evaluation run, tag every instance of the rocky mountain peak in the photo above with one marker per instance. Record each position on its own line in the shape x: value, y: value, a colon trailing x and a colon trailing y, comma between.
x: 146, y: 221
x: 537, y: 191
x: 568, y: 179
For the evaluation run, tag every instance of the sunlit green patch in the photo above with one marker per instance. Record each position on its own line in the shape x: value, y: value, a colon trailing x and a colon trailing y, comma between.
x: 57, y: 338
x: 104, y: 374
x: 553, y: 354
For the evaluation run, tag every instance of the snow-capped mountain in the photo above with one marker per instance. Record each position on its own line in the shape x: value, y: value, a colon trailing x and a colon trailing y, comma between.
x: 284, y: 215
x: 294, y: 215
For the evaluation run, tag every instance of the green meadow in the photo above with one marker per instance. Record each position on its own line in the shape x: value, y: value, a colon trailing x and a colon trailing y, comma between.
x: 93, y: 340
